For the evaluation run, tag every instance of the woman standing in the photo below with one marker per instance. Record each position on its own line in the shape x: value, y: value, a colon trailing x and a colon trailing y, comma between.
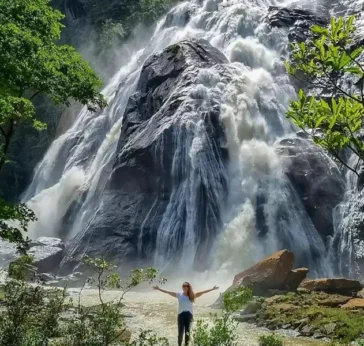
x: 185, y: 308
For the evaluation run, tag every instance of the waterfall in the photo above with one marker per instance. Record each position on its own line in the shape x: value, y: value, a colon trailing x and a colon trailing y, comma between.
x: 253, y: 92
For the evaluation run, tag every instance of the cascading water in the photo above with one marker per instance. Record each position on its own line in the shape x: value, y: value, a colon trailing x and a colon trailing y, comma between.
x: 252, y: 92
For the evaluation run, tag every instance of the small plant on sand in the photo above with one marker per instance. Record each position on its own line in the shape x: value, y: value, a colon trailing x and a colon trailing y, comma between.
x: 222, y: 331
x: 149, y: 338
x: 270, y: 340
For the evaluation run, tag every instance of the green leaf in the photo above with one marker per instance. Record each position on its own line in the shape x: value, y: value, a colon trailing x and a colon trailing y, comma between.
x: 316, y: 29
x: 355, y: 70
x: 320, y: 120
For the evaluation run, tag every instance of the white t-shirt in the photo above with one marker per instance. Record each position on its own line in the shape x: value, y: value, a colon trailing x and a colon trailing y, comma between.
x: 184, y: 303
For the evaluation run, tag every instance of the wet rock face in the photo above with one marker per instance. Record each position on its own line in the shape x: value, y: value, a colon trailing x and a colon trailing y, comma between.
x: 349, y: 243
x: 298, y: 20
x: 285, y: 17
x: 316, y: 178
x: 171, y: 121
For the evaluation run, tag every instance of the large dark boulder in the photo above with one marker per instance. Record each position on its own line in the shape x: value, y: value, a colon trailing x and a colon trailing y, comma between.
x: 46, y: 258
x: 171, y: 129
x: 316, y: 178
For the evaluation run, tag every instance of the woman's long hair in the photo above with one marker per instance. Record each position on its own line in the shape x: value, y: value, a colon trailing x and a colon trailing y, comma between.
x: 191, y: 294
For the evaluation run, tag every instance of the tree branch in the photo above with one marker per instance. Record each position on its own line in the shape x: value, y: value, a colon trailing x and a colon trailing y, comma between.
x: 344, y: 163
x: 36, y: 94
x: 340, y: 89
x: 6, y: 146
x: 2, y: 131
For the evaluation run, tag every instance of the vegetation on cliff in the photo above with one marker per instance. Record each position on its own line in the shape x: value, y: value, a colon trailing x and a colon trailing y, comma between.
x: 114, y: 20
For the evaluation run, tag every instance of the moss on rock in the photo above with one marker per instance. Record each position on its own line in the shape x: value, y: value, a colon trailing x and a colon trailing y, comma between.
x: 314, y: 314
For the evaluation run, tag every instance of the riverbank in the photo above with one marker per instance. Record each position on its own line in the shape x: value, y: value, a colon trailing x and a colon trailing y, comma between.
x: 155, y: 311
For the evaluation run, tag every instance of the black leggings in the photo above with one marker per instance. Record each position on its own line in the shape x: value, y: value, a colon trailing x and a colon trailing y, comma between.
x: 184, y: 324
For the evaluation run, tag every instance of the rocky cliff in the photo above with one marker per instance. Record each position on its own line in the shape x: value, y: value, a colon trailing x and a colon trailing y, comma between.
x: 163, y: 120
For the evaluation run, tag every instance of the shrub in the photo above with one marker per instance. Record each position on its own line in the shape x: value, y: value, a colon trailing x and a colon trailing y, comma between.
x: 149, y: 338
x: 326, y: 61
x: 31, y: 314
x: 21, y: 268
x: 104, y: 325
x: 270, y: 340
x: 222, y: 332
x: 236, y: 299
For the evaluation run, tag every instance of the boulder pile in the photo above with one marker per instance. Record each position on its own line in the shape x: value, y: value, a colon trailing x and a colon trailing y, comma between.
x: 286, y: 299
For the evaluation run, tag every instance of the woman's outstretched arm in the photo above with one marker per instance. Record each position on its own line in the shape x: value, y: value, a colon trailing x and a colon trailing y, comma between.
x: 173, y: 294
x: 199, y: 294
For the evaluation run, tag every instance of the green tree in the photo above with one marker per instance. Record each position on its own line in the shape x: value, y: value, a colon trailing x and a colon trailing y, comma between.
x: 14, y: 221
x: 32, y: 63
x: 329, y: 62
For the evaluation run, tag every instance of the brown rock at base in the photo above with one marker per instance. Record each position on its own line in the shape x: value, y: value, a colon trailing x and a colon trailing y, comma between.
x: 356, y: 303
x: 295, y: 277
x: 361, y: 294
x: 285, y: 307
x: 270, y: 273
x: 334, y: 301
x: 337, y: 286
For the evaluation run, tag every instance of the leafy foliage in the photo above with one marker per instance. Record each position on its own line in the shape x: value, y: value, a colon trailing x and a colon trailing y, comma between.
x: 14, y: 220
x: 149, y: 338
x: 104, y: 325
x: 19, y: 269
x: 326, y: 61
x: 111, y: 32
x: 222, y: 332
x: 270, y: 340
x: 32, y: 63
x: 236, y: 299
x: 31, y: 314
x: 126, y: 15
